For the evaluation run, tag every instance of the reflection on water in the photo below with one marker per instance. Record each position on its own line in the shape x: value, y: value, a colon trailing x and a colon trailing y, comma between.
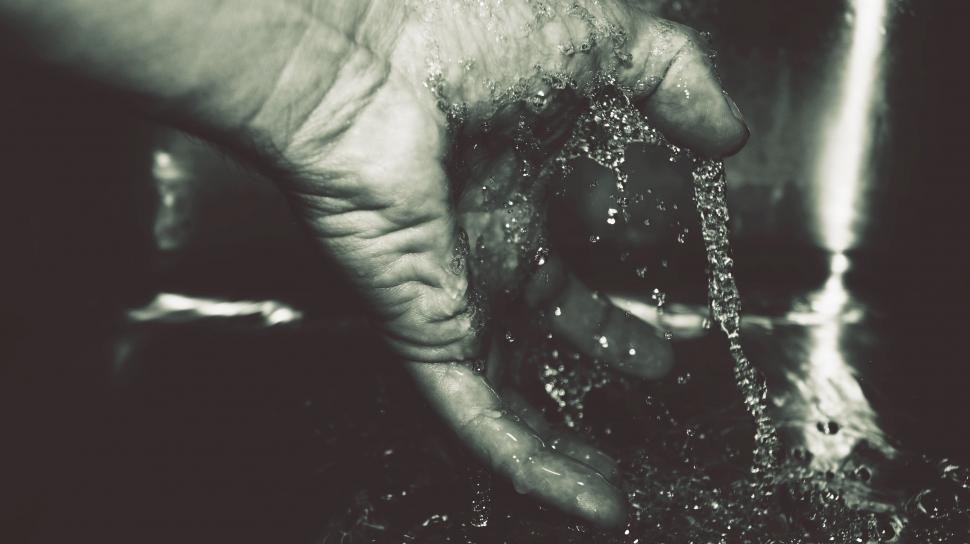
x: 821, y: 389
x: 174, y: 307
x: 829, y: 389
x: 827, y: 382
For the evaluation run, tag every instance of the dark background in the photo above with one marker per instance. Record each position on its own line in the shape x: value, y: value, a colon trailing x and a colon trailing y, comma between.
x: 209, y: 434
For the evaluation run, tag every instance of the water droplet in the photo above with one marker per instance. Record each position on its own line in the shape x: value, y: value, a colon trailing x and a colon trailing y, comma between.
x: 682, y: 236
x: 481, y: 497
x: 459, y: 253
x: 658, y: 297
x: 538, y: 101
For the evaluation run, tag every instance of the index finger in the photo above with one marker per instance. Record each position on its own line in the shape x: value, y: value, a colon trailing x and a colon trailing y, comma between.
x: 469, y: 406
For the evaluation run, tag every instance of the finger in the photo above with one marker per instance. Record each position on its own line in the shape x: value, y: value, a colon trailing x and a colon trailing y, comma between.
x: 595, y: 326
x: 563, y: 442
x: 468, y: 405
x: 686, y: 101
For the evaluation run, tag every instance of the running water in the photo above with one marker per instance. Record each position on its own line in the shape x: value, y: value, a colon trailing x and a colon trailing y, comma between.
x: 710, y: 191
x: 779, y: 498
x: 694, y: 482
x: 603, y: 135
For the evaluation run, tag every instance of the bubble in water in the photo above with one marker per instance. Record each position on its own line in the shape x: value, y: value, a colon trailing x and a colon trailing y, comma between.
x: 863, y: 474
x: 827, y: 427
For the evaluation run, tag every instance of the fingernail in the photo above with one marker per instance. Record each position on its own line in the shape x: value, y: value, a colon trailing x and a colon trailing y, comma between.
x: 735, y: 110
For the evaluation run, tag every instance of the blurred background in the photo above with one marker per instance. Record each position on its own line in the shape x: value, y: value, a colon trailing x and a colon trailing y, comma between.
x: 177, y: 360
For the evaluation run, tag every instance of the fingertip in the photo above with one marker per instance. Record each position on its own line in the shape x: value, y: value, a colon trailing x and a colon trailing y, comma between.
x: 608, y: 510
x: 574, y: 488
x: 736, y: 134
x: 513, y: 449
x: 699, y: 116
x: 561, y: 441
x: 688, y: 104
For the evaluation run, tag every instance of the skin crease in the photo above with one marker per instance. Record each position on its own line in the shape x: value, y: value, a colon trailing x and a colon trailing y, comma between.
x: 331, y: 99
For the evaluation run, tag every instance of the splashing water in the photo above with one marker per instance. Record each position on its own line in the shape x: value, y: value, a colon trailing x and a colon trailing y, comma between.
x: 696, y: 482
x: 603, y: 135
x: 779, y: 499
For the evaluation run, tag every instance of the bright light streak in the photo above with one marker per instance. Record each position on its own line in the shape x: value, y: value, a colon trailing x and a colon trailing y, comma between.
x: 828, y: 383
x: 173, y: 307
x: 846, y: 145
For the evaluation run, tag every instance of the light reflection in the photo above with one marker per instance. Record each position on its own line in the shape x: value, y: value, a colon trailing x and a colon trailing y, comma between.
x: 828, y: 387
x: 827, y: 384
x: 173, y: 307
x: 169, y: 177
x: 845, y: 152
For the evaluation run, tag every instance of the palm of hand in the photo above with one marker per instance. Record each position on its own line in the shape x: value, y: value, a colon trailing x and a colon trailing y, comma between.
x: 439, y: 225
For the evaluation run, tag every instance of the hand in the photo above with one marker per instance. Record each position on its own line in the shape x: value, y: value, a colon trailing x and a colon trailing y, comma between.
x: 439, y: 227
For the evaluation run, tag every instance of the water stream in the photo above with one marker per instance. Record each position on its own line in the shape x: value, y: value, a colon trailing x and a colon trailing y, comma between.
x: 781, y: 498
x: 717, y: 489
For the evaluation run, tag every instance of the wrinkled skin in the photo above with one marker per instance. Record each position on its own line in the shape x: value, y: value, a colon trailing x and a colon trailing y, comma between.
x: 343, y: 103
x: 387, y: 186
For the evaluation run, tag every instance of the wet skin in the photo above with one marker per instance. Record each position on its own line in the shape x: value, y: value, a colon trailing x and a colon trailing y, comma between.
x: 332, y: 100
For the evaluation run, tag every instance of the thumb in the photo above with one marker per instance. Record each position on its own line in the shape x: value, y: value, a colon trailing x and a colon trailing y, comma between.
x: 677, y: 89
